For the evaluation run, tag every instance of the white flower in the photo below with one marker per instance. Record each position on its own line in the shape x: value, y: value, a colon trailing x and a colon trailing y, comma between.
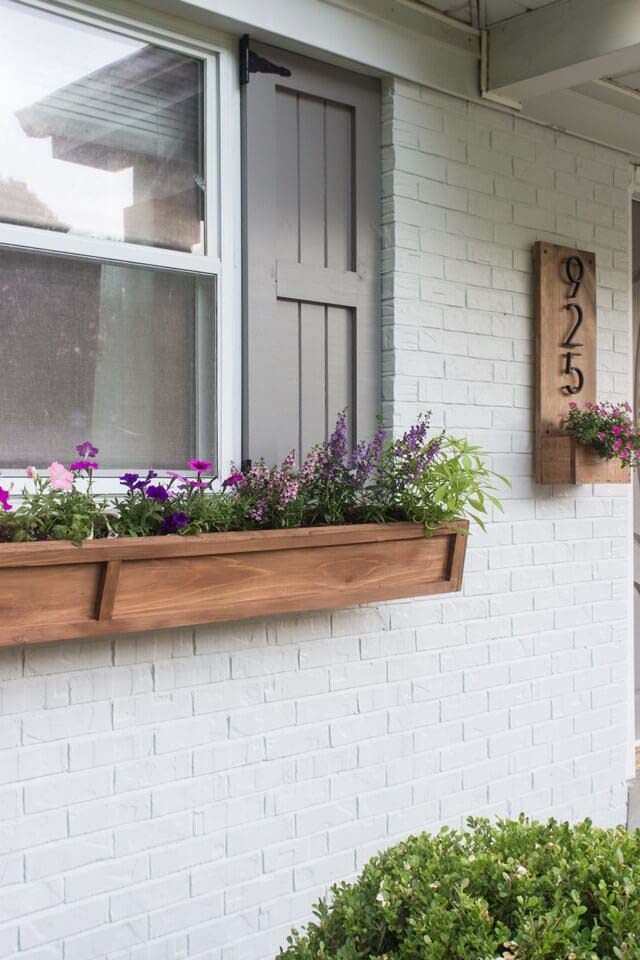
x: 521, y: 871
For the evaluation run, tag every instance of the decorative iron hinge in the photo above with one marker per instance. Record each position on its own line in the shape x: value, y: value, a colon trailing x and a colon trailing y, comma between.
x: 252, y: 62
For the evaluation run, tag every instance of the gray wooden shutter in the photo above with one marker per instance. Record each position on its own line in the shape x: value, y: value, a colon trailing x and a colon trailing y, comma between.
x: 312, y: 240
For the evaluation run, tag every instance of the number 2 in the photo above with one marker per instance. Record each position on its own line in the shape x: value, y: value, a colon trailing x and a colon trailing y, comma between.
x: 569, y: 342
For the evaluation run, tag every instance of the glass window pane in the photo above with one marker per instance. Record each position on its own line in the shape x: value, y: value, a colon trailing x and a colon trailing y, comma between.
x: 122, y: 356
x: 101, y: 134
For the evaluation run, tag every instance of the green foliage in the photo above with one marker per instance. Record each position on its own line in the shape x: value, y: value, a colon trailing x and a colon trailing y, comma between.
x: 48, y: 514
x: 456, y: 485
x: 428, y: 480
x: 516, y: 890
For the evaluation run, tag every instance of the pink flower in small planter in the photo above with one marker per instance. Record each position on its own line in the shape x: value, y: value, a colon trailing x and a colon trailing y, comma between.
x: 4, y: 499
x: 61, y: 478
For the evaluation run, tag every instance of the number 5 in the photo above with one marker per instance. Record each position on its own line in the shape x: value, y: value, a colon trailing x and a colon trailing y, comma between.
x: 569, y: 369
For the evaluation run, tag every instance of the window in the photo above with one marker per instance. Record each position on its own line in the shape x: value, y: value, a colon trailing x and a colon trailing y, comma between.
x: 111, y: 242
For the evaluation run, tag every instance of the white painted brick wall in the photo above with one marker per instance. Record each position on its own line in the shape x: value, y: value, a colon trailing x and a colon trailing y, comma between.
x: 188, y: 794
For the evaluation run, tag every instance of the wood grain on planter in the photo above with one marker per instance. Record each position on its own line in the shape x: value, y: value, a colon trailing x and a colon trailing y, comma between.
x: 56, y: 591
x: 563, y: 460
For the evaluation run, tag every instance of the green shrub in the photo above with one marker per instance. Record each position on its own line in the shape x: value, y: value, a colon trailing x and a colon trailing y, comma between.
x: 517, y: 889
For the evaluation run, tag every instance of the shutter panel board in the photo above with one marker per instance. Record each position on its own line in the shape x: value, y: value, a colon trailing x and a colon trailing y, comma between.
x: 313, y: 386
x: 312, y: 297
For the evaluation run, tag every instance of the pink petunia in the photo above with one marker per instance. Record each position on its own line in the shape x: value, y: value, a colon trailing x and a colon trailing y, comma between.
x: 602, y: 437
x: 573, y: 406
x: 4, y: 499
x: 32, y: 473
x: 200, y: 466
x: 61, y: 478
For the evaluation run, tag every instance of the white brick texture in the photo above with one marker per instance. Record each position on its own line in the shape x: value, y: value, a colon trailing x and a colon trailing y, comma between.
x: 190, y: 793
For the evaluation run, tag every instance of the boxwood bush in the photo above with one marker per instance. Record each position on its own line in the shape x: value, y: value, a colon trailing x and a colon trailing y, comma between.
x: 517, y: 890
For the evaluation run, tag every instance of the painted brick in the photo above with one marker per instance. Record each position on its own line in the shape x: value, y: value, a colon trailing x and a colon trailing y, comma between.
x: 168, y: 793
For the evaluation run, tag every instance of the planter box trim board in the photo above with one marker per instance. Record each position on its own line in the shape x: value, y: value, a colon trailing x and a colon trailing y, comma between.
x: 563, y: 460
x: 57, y: 591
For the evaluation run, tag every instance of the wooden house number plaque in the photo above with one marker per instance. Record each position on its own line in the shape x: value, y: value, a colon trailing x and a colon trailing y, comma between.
x: 565, y: 344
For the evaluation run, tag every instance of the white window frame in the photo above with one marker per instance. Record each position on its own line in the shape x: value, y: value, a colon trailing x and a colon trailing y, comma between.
x: 222, y: 260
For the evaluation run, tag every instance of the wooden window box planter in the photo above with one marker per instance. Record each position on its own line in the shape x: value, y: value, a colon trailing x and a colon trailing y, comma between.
x: 563, y: 460
x: 56, y: 591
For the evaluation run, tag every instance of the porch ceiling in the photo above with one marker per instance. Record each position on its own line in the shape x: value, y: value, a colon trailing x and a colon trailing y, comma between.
x: 485, y: 13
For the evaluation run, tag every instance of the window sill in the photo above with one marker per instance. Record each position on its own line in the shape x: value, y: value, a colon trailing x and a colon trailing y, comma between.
x: 56, y: 591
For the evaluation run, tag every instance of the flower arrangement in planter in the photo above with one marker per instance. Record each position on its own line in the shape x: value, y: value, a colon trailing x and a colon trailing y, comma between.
x: 514, y: 890
x: 607, y: 428
x: 600, y: 444
x: 346, y: 527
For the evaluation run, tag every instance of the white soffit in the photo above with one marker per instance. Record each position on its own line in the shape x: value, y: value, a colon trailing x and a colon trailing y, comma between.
x: 485, y: 13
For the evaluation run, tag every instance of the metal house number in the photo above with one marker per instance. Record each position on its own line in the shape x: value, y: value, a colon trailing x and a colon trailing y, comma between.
x: 574, y: 273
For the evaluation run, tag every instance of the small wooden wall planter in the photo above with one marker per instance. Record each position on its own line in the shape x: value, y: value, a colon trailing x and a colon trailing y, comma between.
x: 56, y: 591
x: 563, y: 460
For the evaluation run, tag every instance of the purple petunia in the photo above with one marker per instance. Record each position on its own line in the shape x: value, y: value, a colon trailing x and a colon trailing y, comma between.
x: 235, y: 480
x: 84, y: 465
x: 177, y: 521
x: 142, y: 484
x: 129, y: 480
x: 157, y: 492
x: 4, y: 499
x: 200, y: 466
x: 87, y: 450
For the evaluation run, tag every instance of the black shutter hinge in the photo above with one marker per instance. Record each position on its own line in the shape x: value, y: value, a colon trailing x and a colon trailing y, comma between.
x: 252, y: 62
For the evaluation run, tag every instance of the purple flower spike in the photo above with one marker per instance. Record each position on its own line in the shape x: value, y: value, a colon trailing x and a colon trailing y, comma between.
x: 87, y: 449
x: 4, y: 500
x: 158, y: 492
x: 84, y: 465
x: 233, y: 481
x: 200, y: 466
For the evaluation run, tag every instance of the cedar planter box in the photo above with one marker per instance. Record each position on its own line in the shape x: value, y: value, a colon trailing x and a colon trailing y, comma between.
x: 56, y: 591
x: 563, y: 460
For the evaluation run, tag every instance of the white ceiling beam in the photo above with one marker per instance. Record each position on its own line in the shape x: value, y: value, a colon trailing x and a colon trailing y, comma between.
x: 401, y: 38
x: 597, y: 119
x: 562, y: 45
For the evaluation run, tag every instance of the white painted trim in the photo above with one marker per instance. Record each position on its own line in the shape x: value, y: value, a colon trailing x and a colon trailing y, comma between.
x: 382, y: 37
x: 631, y: 625
x: 132, y: 254
x: 588, y: 118
x: 229, y: 320
x: 562, y: 45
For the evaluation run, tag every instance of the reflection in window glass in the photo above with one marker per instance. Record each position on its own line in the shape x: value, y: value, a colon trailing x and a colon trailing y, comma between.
x: 122, y: 356
x: 101, y: 134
